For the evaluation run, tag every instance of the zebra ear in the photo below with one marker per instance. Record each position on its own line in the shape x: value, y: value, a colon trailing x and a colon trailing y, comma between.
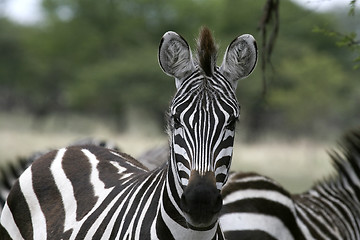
x: 240, y: 58
x: 175, y: 57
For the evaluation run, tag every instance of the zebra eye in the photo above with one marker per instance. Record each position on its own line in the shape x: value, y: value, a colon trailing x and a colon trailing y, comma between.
x: 176, y: 121
x: 232, y: 123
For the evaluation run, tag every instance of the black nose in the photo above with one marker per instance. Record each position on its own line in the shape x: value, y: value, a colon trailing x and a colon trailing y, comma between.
x: 201, y: 200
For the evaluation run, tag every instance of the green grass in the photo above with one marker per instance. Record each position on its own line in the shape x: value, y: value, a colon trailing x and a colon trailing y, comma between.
x: 295, y: 164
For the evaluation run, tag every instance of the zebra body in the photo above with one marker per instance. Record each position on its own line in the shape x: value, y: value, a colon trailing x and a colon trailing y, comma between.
x: 12, y: 170
x: 9, y: 173
x: 96, y: 193
x: 256, y: 207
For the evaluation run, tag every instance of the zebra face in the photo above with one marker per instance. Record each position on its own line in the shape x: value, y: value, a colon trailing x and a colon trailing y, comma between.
x: 203, y: 114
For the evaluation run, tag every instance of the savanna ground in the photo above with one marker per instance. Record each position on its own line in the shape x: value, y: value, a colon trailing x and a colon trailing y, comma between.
x: 296, y: 163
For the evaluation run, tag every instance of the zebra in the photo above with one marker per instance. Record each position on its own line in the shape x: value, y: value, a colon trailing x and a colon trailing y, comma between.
x: 90, y: 192
x: 154, y: 157
x: 11, y: 171
x: 257, y: 207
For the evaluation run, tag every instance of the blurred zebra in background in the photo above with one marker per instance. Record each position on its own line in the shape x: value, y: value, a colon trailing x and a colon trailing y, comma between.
x: 9, y: 173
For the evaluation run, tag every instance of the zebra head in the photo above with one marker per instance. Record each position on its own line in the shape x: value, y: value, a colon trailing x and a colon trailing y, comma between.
x: 202, y: 118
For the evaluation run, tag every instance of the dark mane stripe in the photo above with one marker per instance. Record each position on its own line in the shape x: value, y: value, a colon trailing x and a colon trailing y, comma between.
x: 207, y: 51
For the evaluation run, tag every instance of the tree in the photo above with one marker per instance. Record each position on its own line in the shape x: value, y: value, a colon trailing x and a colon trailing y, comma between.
x: 349, y: 40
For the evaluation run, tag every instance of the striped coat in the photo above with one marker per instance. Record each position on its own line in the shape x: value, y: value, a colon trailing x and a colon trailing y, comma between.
x: 257, y: 207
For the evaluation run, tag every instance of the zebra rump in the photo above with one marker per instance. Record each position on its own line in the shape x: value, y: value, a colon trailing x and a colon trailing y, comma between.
x: 256, y: 207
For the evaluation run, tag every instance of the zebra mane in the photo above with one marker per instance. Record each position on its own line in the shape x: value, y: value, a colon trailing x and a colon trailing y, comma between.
x: 206, y: 51
x: 345, y: 159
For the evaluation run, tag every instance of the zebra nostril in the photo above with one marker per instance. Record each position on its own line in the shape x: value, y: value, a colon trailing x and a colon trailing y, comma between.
x: 183, y: 204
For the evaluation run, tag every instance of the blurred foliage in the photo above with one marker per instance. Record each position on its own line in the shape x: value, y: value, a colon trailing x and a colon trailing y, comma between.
x: 349, y: 40
x: 100, y: 57
x: 352, y: 7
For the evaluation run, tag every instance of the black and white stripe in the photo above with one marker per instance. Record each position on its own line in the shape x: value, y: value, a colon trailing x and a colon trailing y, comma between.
x: 256, y: 207
x: 89, y: 192
x: 11, y: 171
x: 201, y: 143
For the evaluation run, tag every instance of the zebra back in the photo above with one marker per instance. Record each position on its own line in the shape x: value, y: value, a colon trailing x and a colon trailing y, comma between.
x: 11, y: 171
x: 257, y: 207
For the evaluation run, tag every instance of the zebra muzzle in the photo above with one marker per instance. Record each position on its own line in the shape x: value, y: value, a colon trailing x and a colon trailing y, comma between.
x: 201, y: 201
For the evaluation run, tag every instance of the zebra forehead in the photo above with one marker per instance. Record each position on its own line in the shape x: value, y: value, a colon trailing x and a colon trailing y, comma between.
x: 215, y: 87
x: 208, y: 100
